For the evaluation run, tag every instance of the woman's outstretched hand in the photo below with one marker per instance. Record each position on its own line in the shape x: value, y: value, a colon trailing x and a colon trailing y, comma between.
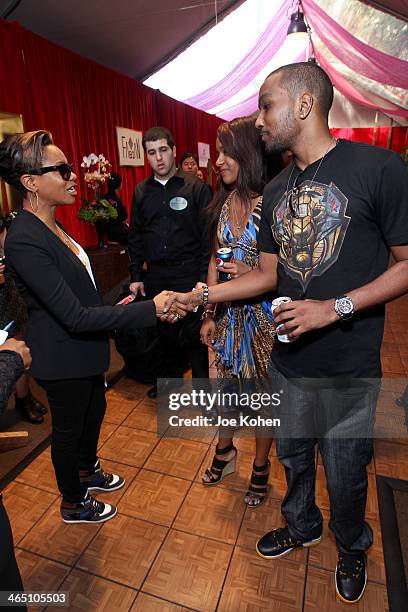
x: 185, y: 301
x: 167, y: 308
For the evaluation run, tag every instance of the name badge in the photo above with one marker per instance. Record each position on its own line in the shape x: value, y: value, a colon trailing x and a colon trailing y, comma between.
x: 178, y: 203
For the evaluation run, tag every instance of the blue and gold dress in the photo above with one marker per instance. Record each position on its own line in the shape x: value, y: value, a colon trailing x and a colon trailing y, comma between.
x: 245, y: 329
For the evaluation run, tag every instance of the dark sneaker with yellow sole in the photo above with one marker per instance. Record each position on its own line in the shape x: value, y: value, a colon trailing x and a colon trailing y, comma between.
x: 279, y: 542
x: 351, y: 577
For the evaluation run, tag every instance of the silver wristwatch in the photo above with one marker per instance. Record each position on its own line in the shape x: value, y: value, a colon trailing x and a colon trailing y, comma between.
x: 344, y: 307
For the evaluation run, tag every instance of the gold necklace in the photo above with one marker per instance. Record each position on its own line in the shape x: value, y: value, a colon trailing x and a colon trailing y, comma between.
x: 62, y: 236
x: 233, y: 214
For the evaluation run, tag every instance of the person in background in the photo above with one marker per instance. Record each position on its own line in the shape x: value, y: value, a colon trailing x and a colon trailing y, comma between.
x: 241, y: 333
x: 189, y: 163
x: 116, y: 229
x: 168, y: 232
x: 13, y: 308
x: 67, y: 322
x: 15, y: 359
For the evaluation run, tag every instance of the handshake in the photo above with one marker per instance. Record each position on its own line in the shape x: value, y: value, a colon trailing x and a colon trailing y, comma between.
x: 172, y: 306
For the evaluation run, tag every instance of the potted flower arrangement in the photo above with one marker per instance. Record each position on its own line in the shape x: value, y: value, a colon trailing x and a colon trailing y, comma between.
x: 97, y: 210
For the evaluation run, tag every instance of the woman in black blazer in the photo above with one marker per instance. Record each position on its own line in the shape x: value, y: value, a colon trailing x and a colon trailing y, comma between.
x: 67, y: 326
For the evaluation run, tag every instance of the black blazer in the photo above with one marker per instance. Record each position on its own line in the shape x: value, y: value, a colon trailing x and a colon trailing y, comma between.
x: 67, y: 321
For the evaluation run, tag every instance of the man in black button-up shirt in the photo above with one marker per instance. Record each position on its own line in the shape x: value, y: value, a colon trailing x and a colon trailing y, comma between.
x: 168, y: 233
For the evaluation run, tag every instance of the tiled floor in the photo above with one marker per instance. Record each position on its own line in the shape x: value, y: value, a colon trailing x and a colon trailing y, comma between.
x: 176, y: 545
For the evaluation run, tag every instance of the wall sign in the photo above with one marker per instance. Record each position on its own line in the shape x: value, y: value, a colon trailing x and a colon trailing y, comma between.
x: 203, y: 154
x: 130, y: 147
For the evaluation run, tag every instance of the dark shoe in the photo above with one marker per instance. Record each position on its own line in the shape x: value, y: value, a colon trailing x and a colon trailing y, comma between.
x: 152, y: 392
x: 220, y: 469
x: 166, y: 386
x: 38, y: 406
x: 98, y: 480
x: 279, y: 542
x: 351, y: 577
x: 258, y: 486
x: 88, y: 511
x: 27, y: 409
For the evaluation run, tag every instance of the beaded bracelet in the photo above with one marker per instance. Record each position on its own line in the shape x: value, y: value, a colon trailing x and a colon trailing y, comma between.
x: 207, y: 314
x: 204, y: 299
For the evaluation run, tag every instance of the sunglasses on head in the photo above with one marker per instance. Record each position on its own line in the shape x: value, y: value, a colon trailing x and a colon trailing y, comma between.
x: 65, y: 170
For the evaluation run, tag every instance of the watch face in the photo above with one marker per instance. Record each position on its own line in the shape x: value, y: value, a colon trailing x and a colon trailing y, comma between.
x: 345, y: 305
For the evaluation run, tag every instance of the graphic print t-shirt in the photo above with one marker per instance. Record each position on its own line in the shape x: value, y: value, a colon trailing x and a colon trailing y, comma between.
x: 346, y: 220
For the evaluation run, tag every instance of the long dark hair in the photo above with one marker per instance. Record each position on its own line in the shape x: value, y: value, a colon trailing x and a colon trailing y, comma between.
x: 240, y: 140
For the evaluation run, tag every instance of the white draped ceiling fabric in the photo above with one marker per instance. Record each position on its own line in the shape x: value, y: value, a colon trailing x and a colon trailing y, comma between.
x: 365, y: 52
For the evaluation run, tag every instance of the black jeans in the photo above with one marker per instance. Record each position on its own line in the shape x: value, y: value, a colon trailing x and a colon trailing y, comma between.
x: 10, y: 579
x: 339, y: 418
x: 77, y: 408
x: 182, y: 338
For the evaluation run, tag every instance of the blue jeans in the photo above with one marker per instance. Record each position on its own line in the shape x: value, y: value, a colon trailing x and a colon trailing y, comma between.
x: 339, y: 417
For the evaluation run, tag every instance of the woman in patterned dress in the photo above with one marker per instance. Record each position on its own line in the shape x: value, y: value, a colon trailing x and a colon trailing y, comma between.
x: 241, y: 333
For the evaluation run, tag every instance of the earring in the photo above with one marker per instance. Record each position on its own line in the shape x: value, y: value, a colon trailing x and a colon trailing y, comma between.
x: 34, y: 209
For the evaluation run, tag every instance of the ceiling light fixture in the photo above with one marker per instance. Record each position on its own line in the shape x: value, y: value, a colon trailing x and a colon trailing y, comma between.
x: 297, y: 23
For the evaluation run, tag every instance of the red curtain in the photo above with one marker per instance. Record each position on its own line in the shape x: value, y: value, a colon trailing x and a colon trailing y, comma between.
x: 81, y: 103
x: 190, y: 124
x: 11, y: 68
x: 376, y: 136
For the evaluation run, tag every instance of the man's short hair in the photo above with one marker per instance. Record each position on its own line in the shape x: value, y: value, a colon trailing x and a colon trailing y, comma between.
x: 187, y: 155
x: 296, y: 78
x: 157, y: 133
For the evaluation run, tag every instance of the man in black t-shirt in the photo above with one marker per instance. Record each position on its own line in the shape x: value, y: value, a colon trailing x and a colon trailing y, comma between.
x: 329, y: 223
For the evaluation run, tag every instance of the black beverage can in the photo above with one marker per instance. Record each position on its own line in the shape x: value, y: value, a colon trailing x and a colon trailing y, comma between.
x: 224, y: 255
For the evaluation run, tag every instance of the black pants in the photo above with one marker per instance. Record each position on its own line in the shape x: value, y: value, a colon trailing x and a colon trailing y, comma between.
x: 182, y: 338
x: 77, y: 408
x: 10, y: 579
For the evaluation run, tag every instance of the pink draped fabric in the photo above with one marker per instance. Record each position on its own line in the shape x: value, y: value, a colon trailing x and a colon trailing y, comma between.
x: 242, y: 109
x: 250, y: 66
x: 346, y: 88
x: 354, y: 53
x: 250, y: 104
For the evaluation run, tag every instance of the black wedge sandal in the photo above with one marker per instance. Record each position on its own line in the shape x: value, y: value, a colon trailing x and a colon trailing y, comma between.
x: 258, y: 486
x: 219, y: 468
